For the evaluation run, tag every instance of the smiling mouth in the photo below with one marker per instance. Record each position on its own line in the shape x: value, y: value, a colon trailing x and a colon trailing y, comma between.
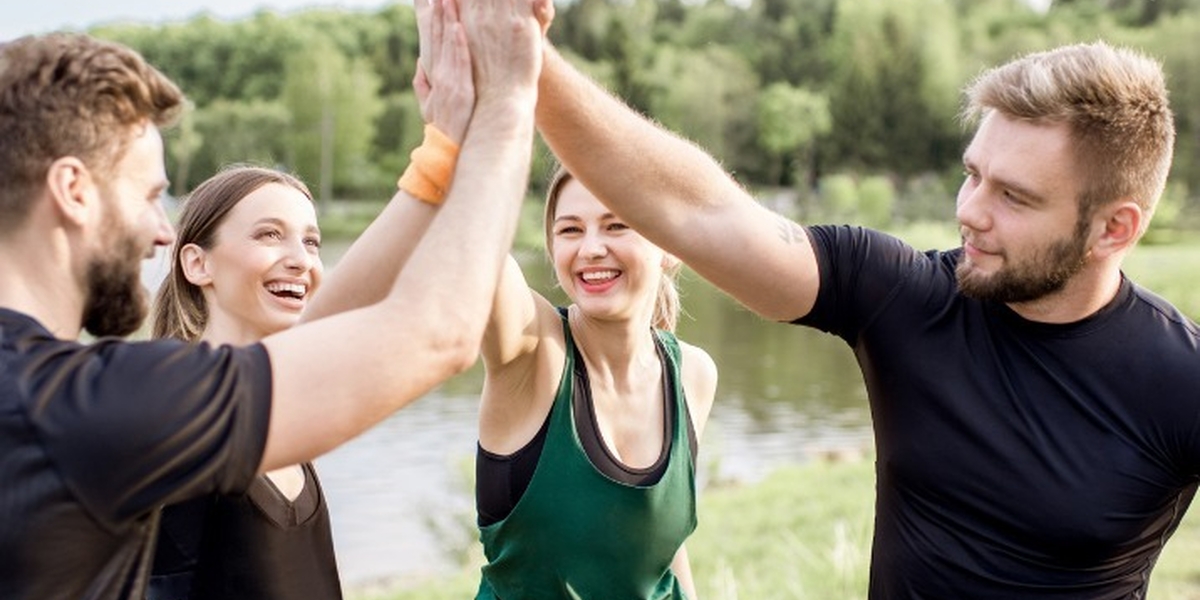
x: 288, y: 290
x: 599, y: 276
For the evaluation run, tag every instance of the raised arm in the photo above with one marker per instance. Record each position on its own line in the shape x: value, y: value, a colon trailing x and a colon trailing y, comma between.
x: 676, y: 195
x: 335, y: 377
x: 446, y: 94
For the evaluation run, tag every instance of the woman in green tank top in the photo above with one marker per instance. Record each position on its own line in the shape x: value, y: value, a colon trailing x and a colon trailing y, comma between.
x: 589, y: 416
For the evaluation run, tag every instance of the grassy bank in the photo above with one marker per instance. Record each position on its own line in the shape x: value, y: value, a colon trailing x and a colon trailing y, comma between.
x: 803, y: 533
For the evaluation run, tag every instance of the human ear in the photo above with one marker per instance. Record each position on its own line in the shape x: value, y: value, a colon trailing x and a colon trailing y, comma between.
x: 1121, y: 227
x: 72, y: 188
x: 193, y: 260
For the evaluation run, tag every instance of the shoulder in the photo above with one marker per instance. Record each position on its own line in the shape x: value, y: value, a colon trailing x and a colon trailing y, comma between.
x: 699, y: 374
x: 696, y: 364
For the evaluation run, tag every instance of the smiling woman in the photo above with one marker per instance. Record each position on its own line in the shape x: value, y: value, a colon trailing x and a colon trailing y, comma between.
x: 244, y: 266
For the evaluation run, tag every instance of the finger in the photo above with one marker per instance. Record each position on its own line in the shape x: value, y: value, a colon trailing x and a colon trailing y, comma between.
x: 543, y: 11
x: 437, y: 28
x: 424, y: 10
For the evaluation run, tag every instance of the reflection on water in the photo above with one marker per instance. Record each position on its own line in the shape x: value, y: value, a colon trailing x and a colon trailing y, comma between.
x: 400, y: 497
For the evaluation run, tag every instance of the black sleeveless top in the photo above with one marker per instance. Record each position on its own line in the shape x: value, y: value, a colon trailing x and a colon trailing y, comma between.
x: 258, y: 545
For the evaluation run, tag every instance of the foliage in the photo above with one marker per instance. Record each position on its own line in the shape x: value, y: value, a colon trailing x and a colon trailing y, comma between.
x: 327, y: 93
x: 790, y: 121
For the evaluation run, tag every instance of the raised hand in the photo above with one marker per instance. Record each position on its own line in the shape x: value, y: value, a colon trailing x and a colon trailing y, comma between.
x: 505, y: 38
x: 443, y: 82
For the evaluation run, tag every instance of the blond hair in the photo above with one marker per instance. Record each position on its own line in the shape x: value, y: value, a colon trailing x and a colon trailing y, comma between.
x: 1114, y: 102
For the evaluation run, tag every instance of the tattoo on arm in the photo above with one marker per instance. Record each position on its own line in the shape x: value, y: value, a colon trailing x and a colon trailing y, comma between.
x: 790, y: 232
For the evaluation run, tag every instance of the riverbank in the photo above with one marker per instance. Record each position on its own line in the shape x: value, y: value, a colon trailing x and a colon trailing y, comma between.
x: 801, y: 533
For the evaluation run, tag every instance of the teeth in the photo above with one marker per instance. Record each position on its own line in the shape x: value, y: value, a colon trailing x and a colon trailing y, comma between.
x: 298, y: 289
x: 593, y: 276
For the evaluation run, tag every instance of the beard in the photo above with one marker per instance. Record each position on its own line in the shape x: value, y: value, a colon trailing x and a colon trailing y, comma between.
x: 1045, y: 273
x: 116, y: 303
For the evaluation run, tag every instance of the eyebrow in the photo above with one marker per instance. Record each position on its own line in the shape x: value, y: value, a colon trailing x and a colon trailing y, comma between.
x: 1020, y: 190
x: 279, y: 222
x: 604, y: 217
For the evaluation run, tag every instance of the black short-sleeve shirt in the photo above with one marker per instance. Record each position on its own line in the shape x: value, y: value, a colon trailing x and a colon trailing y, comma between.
x: 94, y: 438
x: 1015, y: 459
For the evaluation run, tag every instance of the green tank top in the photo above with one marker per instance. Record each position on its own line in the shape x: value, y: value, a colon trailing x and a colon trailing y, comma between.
x: 577, y: 534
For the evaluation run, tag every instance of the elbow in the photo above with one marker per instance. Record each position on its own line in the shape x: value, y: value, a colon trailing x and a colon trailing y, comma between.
x: 459, y: 347
x: 463, y: 357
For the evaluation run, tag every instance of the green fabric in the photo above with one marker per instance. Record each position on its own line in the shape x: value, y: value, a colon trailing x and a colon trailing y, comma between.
x: 576, y: 533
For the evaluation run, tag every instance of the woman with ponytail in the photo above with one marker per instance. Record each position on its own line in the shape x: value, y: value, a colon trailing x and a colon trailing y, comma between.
x: 244, y: 266
x: 590, y: 416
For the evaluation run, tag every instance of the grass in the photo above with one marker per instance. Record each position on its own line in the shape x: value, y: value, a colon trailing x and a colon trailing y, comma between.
x: 803, y: 533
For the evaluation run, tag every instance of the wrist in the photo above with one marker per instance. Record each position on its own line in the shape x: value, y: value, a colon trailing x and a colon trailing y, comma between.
x: 431, y: 167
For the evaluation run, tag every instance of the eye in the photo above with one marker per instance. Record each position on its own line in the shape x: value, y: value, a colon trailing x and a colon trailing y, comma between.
x: 312, y: 241
x: 269, y: 234
x: 568, y: 230
x: 1013, y: 198
x: 617, y: 226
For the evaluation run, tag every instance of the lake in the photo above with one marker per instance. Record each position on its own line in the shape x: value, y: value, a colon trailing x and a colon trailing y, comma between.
x: 400, y: 495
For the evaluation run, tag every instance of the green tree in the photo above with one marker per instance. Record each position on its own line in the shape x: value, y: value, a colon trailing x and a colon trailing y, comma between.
x: 790, y: 120
x: 334, y: 103
x: 183, y: 143
x: 234, y: 131
x: 717, y: 112
x: 895, y: 86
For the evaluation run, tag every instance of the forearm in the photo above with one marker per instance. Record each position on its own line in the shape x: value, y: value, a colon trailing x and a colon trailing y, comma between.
x: 367, y: 271
x: 335, y: 377
x: 682, y: 569
x: 661, y: 176
x: 452, y: 276
x: 675, y: 195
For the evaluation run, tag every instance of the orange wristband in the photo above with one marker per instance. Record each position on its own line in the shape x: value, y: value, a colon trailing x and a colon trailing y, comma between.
x: 430, y: 168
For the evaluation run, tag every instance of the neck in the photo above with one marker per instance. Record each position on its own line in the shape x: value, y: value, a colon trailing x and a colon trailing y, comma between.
x: 37, y: 278
x: 1086, y: 293
x: 616, y: 352
x: 228, y: 331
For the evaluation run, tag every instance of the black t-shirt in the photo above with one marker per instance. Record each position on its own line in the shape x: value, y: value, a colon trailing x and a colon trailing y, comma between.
x: 1015, y: 459
x: 95, y: 438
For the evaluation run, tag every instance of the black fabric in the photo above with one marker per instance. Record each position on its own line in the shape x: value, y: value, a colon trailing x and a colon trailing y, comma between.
x: 501, y: 480
x: 95, y: 438
x: 256, y: 545
x: 588, y: 429
x: 1015, y: 459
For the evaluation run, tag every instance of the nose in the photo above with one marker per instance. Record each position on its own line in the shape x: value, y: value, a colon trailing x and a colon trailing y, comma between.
x: 165, y: 233
x: 971, y: 206
x: 298, y: 257
x: 594, y: 245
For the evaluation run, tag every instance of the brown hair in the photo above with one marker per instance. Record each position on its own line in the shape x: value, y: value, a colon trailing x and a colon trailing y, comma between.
x: 1113, y: 100
x: 71, y: 95
x: 179, y: 309
x: 666, y: 303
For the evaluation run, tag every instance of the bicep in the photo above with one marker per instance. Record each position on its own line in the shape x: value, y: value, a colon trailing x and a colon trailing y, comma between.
x: 512, y: 329
x: 760, y: 258
x: 700, y: 384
